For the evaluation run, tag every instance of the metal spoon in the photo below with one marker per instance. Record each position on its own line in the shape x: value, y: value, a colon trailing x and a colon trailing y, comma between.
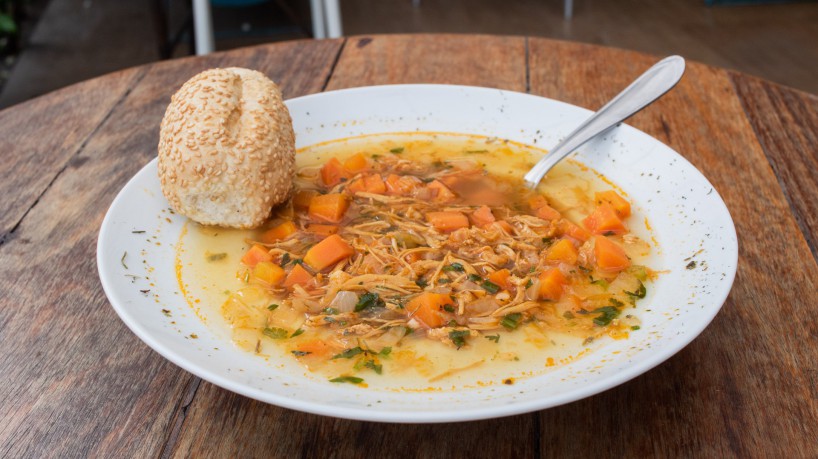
x: 650, y: 86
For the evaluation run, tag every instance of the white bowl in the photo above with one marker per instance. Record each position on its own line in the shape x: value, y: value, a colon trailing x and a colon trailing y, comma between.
x: 689, y: 219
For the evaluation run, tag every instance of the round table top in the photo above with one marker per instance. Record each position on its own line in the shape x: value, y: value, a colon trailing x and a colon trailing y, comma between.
x: 74, y: 381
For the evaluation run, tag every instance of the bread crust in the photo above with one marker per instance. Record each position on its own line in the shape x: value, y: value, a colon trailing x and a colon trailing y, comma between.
x: 227, y: 148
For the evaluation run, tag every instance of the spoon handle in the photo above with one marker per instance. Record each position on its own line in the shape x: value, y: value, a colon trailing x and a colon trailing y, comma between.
x: 651, y: 85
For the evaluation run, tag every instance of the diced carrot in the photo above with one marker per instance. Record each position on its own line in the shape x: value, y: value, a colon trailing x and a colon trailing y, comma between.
x: 546, y: 212
x: 442, y: 192
x: 447, y: 221
x: 563, y: 251
x: 282, y: 231
x: 298, y: 275
x: 551, y: 283
x: 622, y: 207
x: 268, y: 272
x: 328, y: 207
x: 482, y: 216
x: 537, y: 201
x: 322, y: 230
x: 604, y: 220
x: 328, y: 252
x: 609, y: 256
x: 356, y: 163
x: 540, y: 208
x: 313, y: 348
x: 256, y: 254
x: 373, y: 183
x: 356, y: 185
x: 569, y: 229
x: 428, y: 307
x: 501, y: 278
x: 333, y: 172
x: 301, y: 200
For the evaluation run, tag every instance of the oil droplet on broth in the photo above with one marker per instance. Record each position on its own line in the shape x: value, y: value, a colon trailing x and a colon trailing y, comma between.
x: 416, y: 364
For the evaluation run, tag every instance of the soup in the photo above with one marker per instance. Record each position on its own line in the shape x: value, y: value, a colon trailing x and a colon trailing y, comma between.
x: 418, y: 261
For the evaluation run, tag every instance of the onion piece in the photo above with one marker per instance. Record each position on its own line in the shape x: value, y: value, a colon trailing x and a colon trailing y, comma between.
x: 344, y: 301
x: 532, y: 293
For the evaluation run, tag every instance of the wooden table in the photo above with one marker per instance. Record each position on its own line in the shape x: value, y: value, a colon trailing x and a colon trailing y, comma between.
x: 74, y: 381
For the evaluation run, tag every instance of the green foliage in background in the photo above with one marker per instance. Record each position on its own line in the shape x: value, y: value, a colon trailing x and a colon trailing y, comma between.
x: 9, y: 29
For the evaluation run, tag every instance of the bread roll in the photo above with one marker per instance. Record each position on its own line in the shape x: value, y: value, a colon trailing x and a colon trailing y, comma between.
x: 227, y: 148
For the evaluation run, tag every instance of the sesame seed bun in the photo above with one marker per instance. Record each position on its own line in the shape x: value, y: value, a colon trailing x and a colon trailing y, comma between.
x: 227, y: 148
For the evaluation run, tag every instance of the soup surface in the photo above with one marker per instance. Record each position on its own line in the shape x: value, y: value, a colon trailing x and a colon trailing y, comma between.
x: 420, y: 261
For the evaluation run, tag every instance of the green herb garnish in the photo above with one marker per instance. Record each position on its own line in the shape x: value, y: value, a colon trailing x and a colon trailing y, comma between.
x: 490, y: 286
x: 330, y: 311
x: 606, y: 315
x: 511, y: 321
x: 421, y: 283
x: 348, y: 353
x: 275, y: 333
x: 369, y: 300
x: 448, y: 308
x: 444, y: 280
x: 495, y: 338
x: 396, y: 150
x: 297, y: 332
x: 347, y: 379
x: 640, y: 292
x: 458, y: 337
x: 616, y: 303
x: 272, y: 307
x: 301, y: 353
x: 475, y: 278
x: 285, y: 259
x: 454, y: 267
x: 385, y: 351
x: 635, y: 327
x: 378, y: 368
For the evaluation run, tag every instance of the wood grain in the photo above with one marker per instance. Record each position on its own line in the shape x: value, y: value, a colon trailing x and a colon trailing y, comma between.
x: 478, y: 60
x: 39, y: 139
x: 786, y: 124
x: 747, y: 378
x: 73, y: 380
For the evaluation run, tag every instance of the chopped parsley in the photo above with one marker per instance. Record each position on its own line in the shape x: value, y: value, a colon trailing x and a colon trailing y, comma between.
x: 396, y: 150
x: 511, y: 321
x: 495, y: 338
x: 385, y: 351
x: 640, y: 292
x: 421, y: 283
x: 348, y: 353
x: 490, y: 286
x: 606, y: 315
x: 297, y: 332
x: 458, y: 337
x: 635, y: 327
x: 371, y: 364
x: 448, y: 308
x: 369, y: 300
x: 347, y: 379
x: 454, y: 267
x: 275, y: 333
x: 272, y: 307
x: 475, y: 278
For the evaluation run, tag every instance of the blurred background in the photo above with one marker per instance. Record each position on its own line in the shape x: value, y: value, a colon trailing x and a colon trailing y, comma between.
x: 48, y: 44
